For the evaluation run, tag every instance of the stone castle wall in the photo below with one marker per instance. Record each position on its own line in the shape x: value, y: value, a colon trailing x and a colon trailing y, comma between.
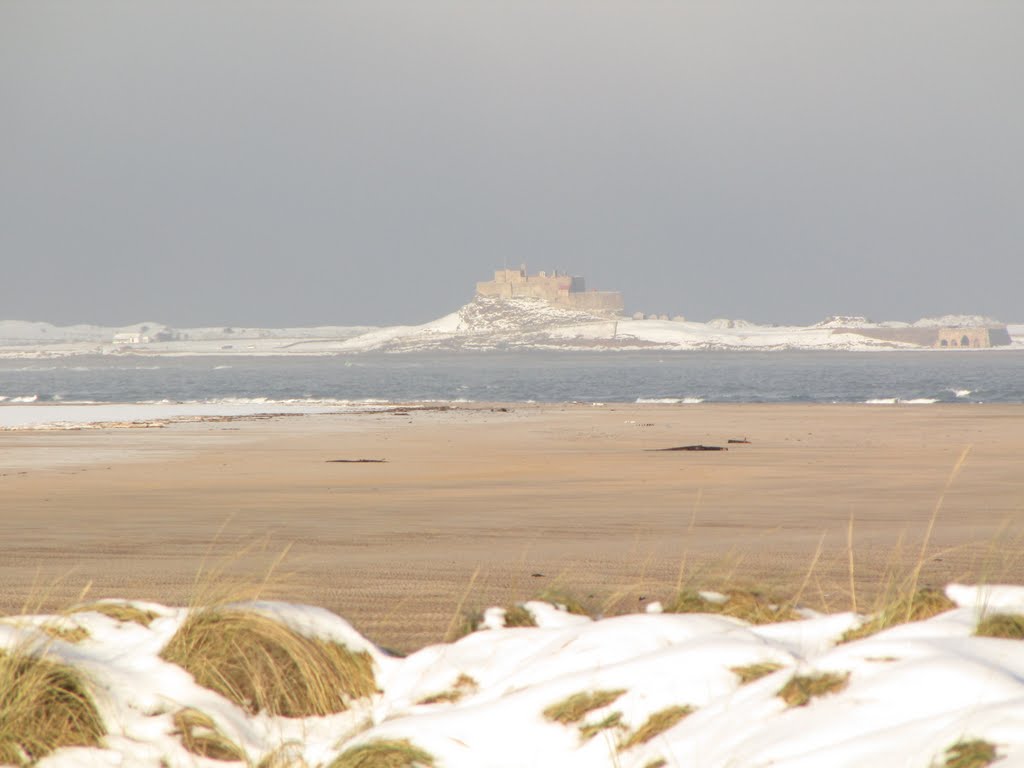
x: 561, y: 290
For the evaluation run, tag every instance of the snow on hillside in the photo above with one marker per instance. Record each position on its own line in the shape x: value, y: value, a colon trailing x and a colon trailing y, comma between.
x: 631, y: 691
x: 485, y: 323
x: 955, y: 321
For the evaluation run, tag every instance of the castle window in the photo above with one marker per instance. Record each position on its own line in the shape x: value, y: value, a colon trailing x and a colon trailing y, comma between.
x: 944, y: 343
x: 965, y: 342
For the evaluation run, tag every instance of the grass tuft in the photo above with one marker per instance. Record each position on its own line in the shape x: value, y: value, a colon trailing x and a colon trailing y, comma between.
x: 658, y: 762
x: 752, y: 672
x: 802, y: 688
x: 200, y: 736
x: 262, y: 665
x: 469, y: 623
x: 384, y: 753
x: 472, y: 621
x: 656, y: 724
x: 518, y: 616
x: 590, y: 730
x: 118, y: 612
x: 65, y: 634
x: 564, y: 601
x: 463, y: 685
x: 971, y: 754
x: 1005, y: 625
x: 575, y: 707
x: 43, y: 706
x: 901, y: 609
x: 749, y: 605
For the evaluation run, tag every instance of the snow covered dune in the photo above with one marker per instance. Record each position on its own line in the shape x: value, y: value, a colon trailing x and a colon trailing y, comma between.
x: 637, y: 691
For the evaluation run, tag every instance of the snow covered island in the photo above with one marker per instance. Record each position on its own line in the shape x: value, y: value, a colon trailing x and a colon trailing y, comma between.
x: 514, y: 311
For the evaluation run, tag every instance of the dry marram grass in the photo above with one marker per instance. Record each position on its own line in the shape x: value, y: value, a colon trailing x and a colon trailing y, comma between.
x: 200, y: 736
x: 902, y: 608
x: 749, y: 605
x: 65, y: 634
x: 752, y: 672
x: 43, y: 706
x: 574, y: 708
x: 590, y: 730
x: 971, y: 754
x: 463, y: 685
x: 262, y: 665
x: 119, y: 612
x: 802, y: 688
x: 384, y: 753
x: 1009, y: 626
x: 518, y: 616
x: 563, y: 600
x: 656, y: 724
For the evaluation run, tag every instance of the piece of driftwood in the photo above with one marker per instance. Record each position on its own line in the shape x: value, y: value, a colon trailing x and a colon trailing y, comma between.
x: 692, y: 448
x: 356, y: 461
x: 738, y: 441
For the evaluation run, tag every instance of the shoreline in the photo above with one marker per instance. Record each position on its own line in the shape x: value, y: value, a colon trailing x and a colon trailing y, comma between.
x: 29, y: 414
x: 580, y: 495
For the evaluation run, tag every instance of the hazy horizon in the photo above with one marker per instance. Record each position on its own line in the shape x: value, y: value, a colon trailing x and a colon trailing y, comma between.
x: 271, y: 164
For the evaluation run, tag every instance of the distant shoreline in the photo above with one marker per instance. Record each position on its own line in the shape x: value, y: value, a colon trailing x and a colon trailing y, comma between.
x: 496, y: 324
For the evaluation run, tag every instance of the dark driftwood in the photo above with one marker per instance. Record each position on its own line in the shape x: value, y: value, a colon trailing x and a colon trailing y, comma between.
x: 356, y: 461
x: 744, y: 441
x: 692, y: 448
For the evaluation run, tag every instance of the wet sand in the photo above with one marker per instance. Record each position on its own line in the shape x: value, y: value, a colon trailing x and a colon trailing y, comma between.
x: 493, y: 505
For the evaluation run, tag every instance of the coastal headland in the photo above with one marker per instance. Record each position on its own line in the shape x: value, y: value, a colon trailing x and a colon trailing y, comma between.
x: 400, y: 519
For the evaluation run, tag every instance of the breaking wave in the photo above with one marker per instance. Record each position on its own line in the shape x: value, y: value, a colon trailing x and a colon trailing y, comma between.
x: 671, y: 400
x: 901, y: 401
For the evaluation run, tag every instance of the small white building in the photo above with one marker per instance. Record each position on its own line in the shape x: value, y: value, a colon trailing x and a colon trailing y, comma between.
x: 130, y: 338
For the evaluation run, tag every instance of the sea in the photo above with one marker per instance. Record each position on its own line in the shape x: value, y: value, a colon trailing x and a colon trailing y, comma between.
x: 926, y: 377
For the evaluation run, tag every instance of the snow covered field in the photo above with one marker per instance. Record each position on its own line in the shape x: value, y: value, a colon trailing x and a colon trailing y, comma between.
x: 634, y: 691
x: 483, y: 324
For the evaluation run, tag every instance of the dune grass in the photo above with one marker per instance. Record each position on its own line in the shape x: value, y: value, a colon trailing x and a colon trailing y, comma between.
x: 749, y: 605
x: 971, y: 754
x: 263, y: 666
x: 564, y: 600
x: 752, y: 672
x: 463, y: 685
x: 384, y: 753
x: 118, y: 611
x: 590, y: 730
x: 65, y: 634
x: 1009, y: 626
x: 472, y: 621
x: 200, y: 736
x: 575, y: 707
x: 518, y: 616
x: 902, y: 607
x: 800, y: 689
x: 656, y: 724
x: 44, y: 705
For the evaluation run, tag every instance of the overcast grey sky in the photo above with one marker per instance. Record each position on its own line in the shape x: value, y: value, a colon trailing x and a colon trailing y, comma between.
x: 285, y: 163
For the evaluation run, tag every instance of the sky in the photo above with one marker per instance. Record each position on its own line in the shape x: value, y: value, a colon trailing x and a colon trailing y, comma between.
x: 233, y: 162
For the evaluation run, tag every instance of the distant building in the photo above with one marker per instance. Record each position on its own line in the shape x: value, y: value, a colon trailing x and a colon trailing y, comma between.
x: 944, y: 337
x: 557, y: 289
x: 130, y: 338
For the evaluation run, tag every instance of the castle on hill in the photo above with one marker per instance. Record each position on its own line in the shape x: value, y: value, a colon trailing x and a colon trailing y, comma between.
x: 558, y: 289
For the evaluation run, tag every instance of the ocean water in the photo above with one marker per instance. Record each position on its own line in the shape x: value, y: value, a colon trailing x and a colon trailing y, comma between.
x: 726, y: 377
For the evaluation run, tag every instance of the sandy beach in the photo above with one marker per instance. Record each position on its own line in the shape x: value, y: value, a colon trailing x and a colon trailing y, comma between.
x: 492, y: 503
